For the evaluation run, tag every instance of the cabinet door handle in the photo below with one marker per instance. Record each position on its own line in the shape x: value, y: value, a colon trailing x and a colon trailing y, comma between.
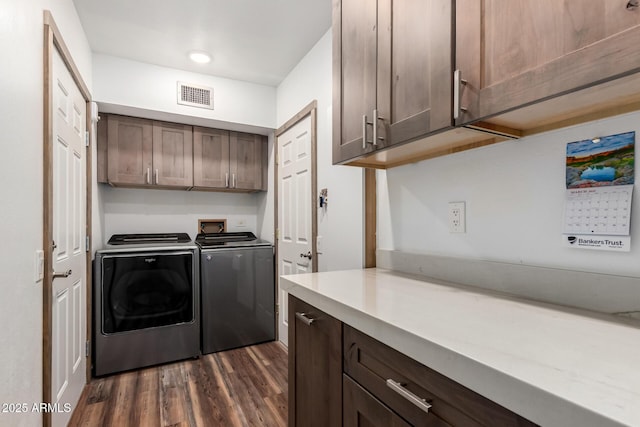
x: 156, y: 176
x: 233, y: 180
x: 402, y: 391
x: 364, y: 131
x: 148, y: 175
x: 457, y: 93
x: 226, y: 180
x: 365, y: 122
x: 375, y: 127
x: 304, y: 317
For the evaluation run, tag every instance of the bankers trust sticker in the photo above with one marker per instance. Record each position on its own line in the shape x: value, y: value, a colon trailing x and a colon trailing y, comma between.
x: 603, y: 243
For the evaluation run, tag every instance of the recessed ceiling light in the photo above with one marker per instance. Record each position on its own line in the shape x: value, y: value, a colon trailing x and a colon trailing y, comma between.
x: 199, y: 57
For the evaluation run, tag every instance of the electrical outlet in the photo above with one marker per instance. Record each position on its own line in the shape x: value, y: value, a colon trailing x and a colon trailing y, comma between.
x: 457, y: 217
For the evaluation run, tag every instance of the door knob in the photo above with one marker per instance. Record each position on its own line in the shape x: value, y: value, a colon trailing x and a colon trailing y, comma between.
x: 61, y: 275
x: 307, y: 255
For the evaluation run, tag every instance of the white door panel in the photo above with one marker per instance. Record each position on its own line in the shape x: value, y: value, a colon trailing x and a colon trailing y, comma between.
x: 60, y: 340
x: 69, y: 225
x: 294, y: 209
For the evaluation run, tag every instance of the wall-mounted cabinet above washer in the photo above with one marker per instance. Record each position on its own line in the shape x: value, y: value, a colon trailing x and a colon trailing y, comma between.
x: 148, y: 153
x: 229, y: 161
x: 142, y: 153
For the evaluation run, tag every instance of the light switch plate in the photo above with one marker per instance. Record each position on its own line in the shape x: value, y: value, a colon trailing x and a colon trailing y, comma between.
x: 39, y: 266
x: 457, y: 217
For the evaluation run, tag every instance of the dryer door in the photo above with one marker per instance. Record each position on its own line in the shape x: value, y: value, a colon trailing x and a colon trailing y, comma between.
x: 141, y: 291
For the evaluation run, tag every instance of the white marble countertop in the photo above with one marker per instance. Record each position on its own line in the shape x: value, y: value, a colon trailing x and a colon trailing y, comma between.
x: 553, y: 365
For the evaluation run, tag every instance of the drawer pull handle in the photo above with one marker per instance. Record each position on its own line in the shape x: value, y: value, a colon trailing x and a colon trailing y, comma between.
x: 305, y: 319
x: 402, y: 391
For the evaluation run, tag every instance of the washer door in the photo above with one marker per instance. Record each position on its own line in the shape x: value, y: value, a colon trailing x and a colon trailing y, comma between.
x: 146, y: 291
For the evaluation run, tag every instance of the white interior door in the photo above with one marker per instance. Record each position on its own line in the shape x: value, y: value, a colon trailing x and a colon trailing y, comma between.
x: 294, y: 210
x: 68, y: 364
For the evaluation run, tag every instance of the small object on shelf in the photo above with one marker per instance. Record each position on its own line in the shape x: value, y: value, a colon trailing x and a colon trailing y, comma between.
x: 212, y: 225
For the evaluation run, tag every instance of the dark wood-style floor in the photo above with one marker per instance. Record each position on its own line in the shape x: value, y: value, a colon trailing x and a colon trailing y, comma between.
x: 242, y: 387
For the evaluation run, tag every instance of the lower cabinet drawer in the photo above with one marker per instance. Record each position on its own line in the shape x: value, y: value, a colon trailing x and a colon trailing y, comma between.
x: 418, y: 394
x: 362, y: 409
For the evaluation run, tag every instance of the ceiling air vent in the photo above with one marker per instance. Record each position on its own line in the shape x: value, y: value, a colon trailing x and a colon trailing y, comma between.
x: 195, y: 96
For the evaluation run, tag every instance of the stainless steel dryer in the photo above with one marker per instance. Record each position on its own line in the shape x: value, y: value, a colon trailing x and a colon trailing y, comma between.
x: 146, y: 301
x: 238, y: 293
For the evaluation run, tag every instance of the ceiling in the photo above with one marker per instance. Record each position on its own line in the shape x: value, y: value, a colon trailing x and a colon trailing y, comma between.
x: 257, y: 41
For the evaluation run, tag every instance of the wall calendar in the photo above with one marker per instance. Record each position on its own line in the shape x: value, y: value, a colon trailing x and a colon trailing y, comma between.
x: 599, y: 180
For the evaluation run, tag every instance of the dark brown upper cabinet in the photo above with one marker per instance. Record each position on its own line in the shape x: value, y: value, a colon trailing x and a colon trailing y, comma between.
x: 134, y: 152
x: 172, y: 154
x: 392, y: 73
x: 210, y: 158
x: 247, y: 161
x: 231, y: 161
x: 421, y: 79
x: 532, y: 65
x: 148, y: 153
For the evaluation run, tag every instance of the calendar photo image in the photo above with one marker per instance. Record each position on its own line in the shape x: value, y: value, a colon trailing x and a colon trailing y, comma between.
x: 603, y: 161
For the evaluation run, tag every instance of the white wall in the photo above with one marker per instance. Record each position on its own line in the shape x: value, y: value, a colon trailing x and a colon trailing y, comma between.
x: 514, y: 194
x: 129, y: 210
x: 340, y: 226
x: 138, y: 89
x: 97, y: 204
x: 21, y: 120
x: 266, y: 209
x: 126, y: 83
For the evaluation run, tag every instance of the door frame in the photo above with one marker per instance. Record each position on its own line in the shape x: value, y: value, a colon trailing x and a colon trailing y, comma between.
x: 53, y: 41
x: 312, y: 110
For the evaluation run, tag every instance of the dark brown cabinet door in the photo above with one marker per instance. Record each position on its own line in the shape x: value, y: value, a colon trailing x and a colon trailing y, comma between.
x: 101, y: 146
x: 392, y: 73
x: 513, y: 53
x: 229, y: 160
x: 361, y: 409
x: 142, y: 152
x: 172, y: 155
x: 355, y: 45
x: 414, y: 73
x: 245, y: 160
x: 315, y: 367
x: 210, y: 158
x: 129, y: 150
x: 138, y: 153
